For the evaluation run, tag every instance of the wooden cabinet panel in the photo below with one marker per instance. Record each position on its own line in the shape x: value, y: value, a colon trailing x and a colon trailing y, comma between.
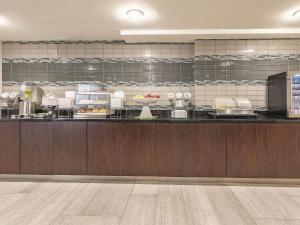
x: 211, y: 143
x: 103, y: 154
x: 37, y: 147
x: 191, y: 149
x: 264, y: 150
x: 136, y: 143
x: 279, y: 144
x: 9, y: 148
x: 243, y: 155
x: 70, y: 147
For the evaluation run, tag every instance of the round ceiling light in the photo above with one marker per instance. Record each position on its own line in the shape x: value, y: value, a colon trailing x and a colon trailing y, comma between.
x: 249, y: 50
x: 3, y: 21
x: 135, y: 14
x: 297, y: 14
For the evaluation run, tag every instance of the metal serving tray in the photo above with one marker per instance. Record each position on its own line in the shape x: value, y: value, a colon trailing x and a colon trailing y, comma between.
x: 234, y: 113
x: 90, y: 115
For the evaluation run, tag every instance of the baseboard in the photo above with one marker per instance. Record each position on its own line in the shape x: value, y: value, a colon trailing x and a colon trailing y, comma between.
x: 143, y: 179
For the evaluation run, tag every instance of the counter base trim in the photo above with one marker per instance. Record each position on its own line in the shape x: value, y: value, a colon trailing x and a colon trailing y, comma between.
x: 137, y: 179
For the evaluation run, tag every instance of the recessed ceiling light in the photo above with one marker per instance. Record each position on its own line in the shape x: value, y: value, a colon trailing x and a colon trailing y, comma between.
x: 249, y: 50
x: 297, y: 14
x: 135, y: 14
x: 3, y: 21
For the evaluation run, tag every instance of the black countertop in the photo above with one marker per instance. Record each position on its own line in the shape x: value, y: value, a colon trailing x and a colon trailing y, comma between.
x: 261, y: 119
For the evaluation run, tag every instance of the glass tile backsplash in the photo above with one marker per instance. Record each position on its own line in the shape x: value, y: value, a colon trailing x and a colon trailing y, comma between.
x: 207, y: 68
x: 238, y: 70
x: 103, y: 71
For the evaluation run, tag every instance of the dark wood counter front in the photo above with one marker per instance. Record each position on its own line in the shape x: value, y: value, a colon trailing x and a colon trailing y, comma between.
x: 136, y: 144
x: 103, y: 156
x: 192, y: 150
x: 113, y: 148
x: 263, y: 150
x: 9, y: 148
x: 149, y: 149
x: 70, y: 155
x: 37, y: 148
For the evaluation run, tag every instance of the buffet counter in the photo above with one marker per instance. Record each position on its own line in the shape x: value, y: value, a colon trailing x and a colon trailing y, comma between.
x: 200, y: 119
x: 198, y: 147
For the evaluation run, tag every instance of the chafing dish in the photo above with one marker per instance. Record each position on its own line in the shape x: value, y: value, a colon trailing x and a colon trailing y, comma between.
x: 229, y: 107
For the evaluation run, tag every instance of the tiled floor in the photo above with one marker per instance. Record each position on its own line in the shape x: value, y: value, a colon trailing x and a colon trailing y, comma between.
x: 66, y: 203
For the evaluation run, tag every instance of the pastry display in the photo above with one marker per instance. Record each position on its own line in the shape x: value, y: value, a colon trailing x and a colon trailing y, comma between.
x: 86, y: 110
x: 92, y: 105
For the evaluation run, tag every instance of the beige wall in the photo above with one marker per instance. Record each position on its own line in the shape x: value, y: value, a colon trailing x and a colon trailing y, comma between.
x: 0, y: 66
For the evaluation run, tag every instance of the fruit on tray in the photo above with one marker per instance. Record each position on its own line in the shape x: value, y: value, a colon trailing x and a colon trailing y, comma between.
x: 146, y: 96
x: 139, y: 96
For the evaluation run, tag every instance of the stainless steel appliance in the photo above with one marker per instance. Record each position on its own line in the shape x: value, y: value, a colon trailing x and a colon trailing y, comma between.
x: 179, y: 101
x: 284, y: 94
x: 30, y: 98
x: 232, y: 107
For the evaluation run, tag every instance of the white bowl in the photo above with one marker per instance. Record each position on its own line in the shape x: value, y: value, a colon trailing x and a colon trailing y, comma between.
x: 145, y: 101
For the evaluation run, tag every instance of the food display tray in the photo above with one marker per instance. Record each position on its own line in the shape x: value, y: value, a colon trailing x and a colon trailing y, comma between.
x: 90, y: 115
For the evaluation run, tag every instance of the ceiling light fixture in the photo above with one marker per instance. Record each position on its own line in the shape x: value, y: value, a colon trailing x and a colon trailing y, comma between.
x: 210, y: 31
x: 249, y: 50
x: 3, y: 21
x: 297, y: 14
x: 135, y: 14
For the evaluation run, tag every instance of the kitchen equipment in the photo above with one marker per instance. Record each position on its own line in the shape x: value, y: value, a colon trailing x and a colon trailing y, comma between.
x: 9, y: 100
x: 30, y: 99
x: 224, y: 103
x: 243, y: 103
x: 179, y: 114
x: 117, y: 100
x: 65, y: 103
x: 229, y: 107
x: 26, y: 108
x: 31, y: 93
x: 50, y: 101
x: 92, y: 105
x: 233, y: 113
x: 179, y: 101
x: 49, y: 114
x: 9, y: 104
x: 284, y: 94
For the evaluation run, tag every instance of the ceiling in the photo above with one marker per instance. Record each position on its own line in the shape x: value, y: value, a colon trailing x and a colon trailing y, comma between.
x: 103, y: 19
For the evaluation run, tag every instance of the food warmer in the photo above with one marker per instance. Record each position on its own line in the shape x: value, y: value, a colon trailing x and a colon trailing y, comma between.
x: 229, y: 107
x: 92, y: 105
